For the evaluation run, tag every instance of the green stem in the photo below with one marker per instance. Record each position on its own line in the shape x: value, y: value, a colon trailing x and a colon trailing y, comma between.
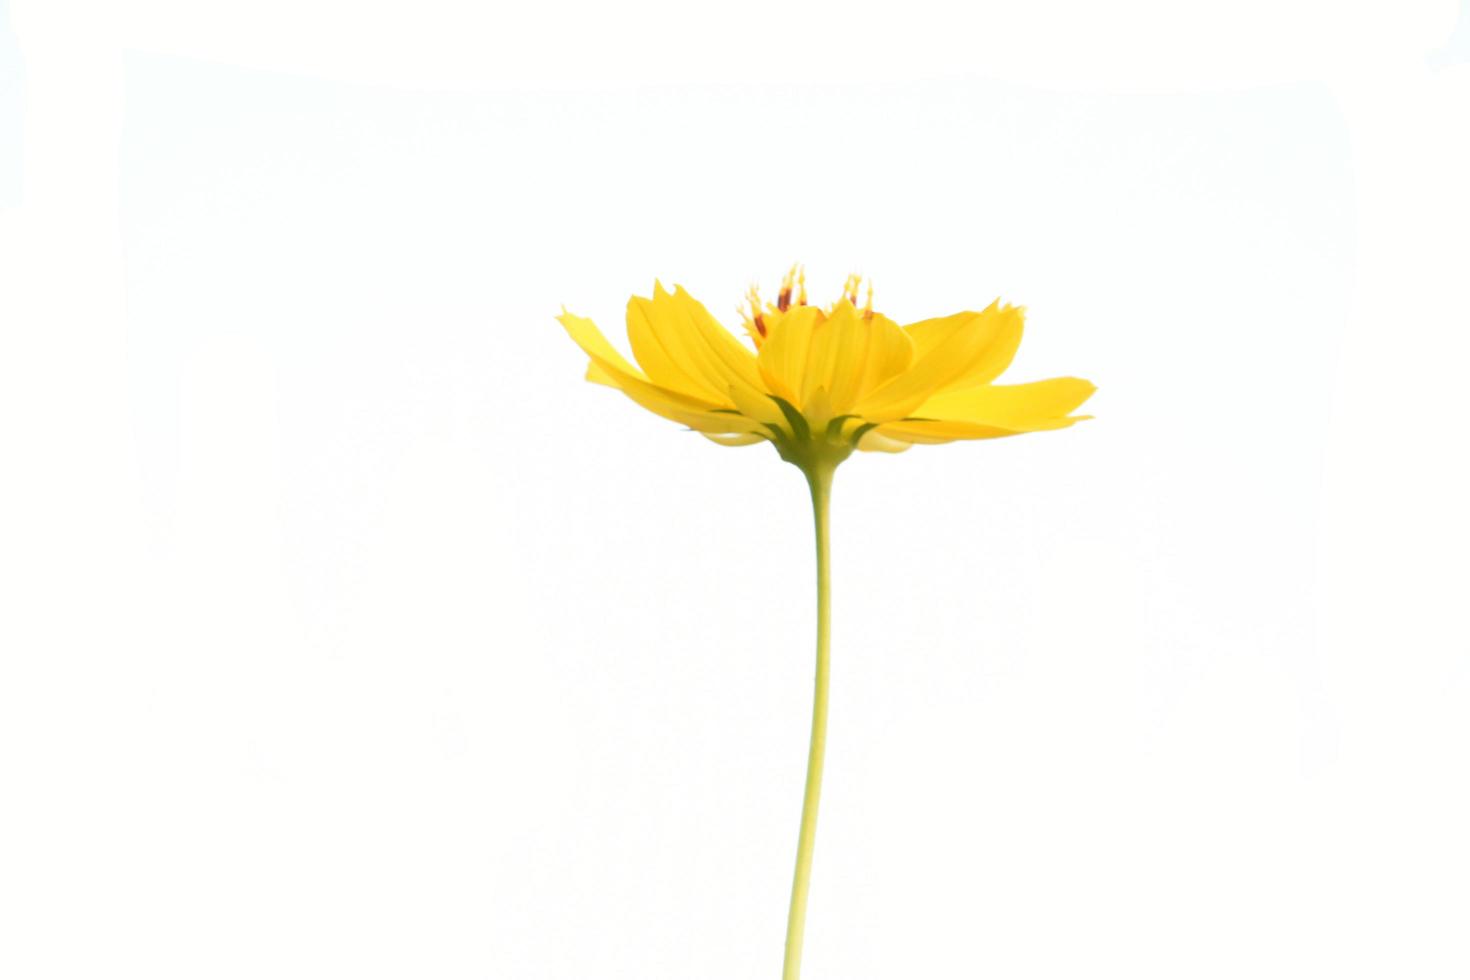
x: 820, y: 479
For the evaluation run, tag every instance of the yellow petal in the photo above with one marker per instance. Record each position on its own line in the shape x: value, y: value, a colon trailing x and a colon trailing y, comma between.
x: 734, y: 438
x: 890, y: 353
x: 933, y: 431
x: 818, y: 409
x: 994, y: 411
x: 874, y: 441
x: 782, y: 359
x: 851, y: 354
x: 663, y: 357
x: 929, y: 334
x: 684, y: 348
x: 678, y: 408
x: 609, y: 367
x: 1002, y: 327
x: 598, y: 376
x: 945, y: 358
x: 1016, y: 407
x: 591, y: 340
x: 758, y: 406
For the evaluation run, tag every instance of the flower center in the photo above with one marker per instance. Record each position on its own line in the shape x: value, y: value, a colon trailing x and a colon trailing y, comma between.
x: 757, y: 317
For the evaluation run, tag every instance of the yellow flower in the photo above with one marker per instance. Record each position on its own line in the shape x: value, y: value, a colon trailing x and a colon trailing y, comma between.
x: 821, y: 382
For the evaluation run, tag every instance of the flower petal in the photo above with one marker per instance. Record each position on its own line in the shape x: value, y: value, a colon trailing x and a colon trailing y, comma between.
x: 783, y: 357
x: 684, y: 348
x: 934, y: 431
x: 852, y: 353
x: 874, y: 441
x: 1018, y: 407
x: 598, y: 376
x: 1002, y: 327
x: 993, y: 411
x: 609, y: 367
x: 591, y: 340
x: 677, y: 408
x: 758, y: 406
x: 734, y: 438
x: 946, y: 357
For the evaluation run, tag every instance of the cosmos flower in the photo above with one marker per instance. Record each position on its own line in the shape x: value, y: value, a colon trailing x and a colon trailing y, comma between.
x: 827, y: 380
x: 818, y: 383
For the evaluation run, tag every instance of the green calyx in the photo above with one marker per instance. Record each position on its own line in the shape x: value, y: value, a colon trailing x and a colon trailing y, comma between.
x: 813, y: 451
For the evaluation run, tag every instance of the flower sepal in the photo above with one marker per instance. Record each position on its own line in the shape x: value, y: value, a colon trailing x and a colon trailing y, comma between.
x: 815, y: 440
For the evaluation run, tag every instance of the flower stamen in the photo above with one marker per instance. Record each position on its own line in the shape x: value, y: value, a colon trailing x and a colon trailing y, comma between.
x: 783, y: 299
x: 753, y: 297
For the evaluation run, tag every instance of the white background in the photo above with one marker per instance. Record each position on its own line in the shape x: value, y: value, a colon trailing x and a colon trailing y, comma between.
x: 346, y: 632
